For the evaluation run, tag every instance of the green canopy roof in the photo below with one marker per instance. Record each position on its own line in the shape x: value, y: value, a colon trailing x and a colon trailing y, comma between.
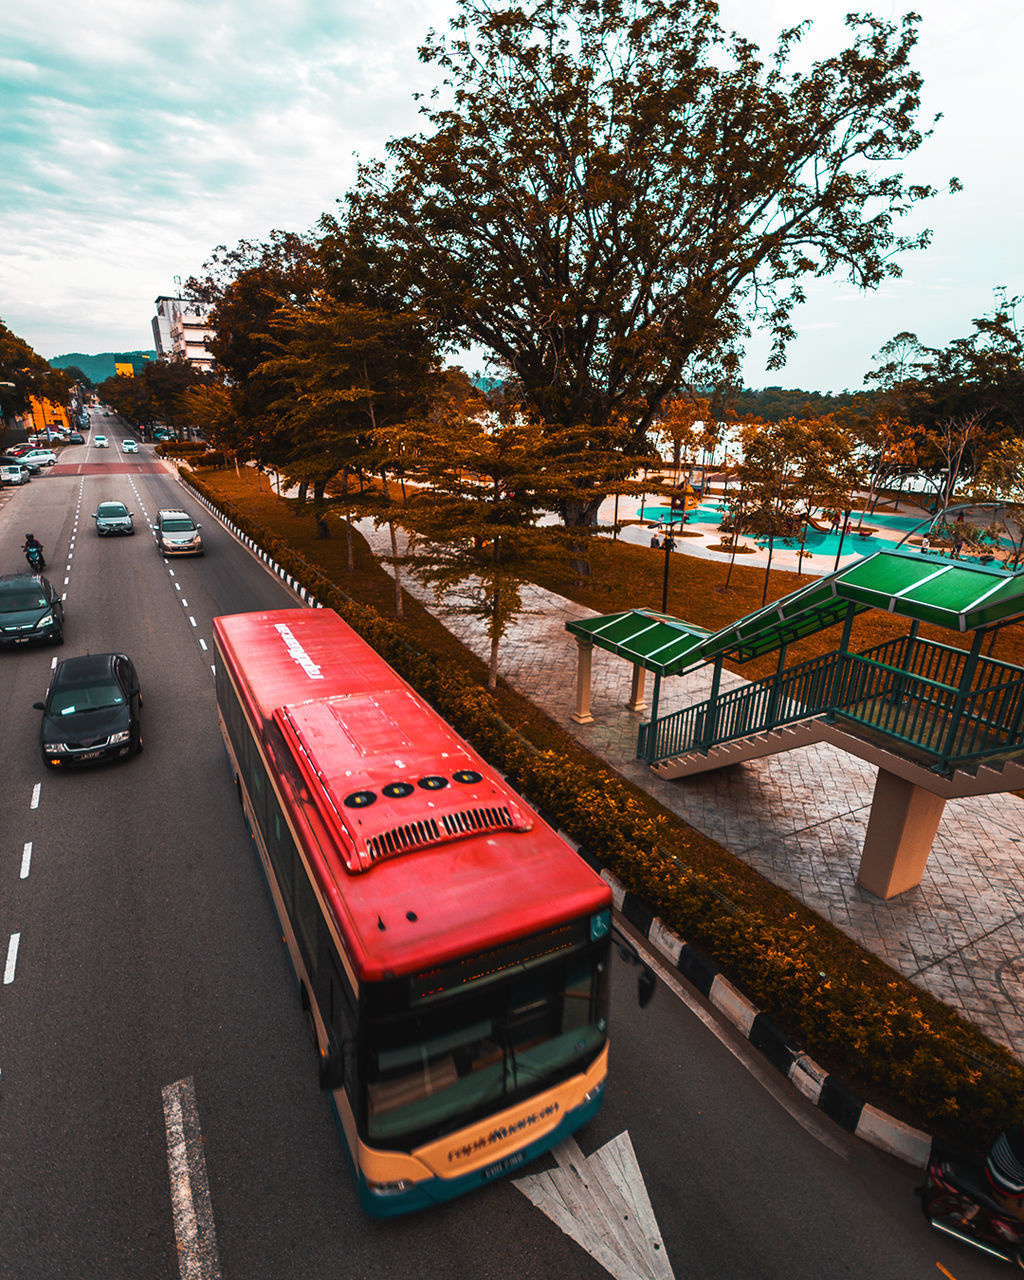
x: 654, y: 640
x: 925, y: 587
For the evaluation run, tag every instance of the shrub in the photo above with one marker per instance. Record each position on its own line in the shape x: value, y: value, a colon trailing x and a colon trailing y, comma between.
x: 839, y: 1003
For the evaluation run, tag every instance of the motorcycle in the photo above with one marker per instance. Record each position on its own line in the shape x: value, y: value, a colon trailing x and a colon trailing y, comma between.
x: 956, y: 1201
x: 34, y: 556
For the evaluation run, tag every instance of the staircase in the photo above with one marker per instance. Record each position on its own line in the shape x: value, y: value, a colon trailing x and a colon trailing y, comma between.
x: 911, y: 706
x: 769, y: 742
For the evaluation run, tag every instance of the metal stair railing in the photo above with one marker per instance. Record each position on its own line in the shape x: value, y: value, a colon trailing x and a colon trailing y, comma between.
x: 907, y: 690
x: 796, y: 694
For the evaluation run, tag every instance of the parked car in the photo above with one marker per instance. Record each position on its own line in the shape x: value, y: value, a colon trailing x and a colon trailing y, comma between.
x: 46, y: 456
x: 100, y: 442
x: 91, y: 712
x: 21, y: 460
x: 129, y: 446
x: 30, y: 610
x: 16, y: 450
x: 76, y: 437
x: 113, y: 517
x: 177, y: 534
x: 12, y: 473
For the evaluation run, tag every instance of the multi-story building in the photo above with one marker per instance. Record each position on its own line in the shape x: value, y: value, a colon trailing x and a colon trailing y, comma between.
x: 48, y: 417
x: 180, y: 330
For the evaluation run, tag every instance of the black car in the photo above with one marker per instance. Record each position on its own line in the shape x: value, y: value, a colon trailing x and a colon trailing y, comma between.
x: 76, y: 437
x: 91, y: 712
x: 30, y: 610
x: 113, y: 517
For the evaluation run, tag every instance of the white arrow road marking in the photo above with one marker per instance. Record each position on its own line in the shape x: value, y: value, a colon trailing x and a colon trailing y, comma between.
x: 600, y: 1201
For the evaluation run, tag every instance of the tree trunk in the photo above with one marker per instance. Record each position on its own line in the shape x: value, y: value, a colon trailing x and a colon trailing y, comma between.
x: 768, y: 568
x: 350, y: 544
x: 399, y: 612
x: 319, y: 510
x: 492, y: 666
x: 578, y: 513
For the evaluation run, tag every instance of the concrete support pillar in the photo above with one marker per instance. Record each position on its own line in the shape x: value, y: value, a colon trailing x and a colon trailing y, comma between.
x: 636, y: 693
x: 584, y: 654
x: 901, y: 829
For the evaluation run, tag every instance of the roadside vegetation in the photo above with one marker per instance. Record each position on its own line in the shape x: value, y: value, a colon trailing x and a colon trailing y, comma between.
x: 886, y: 1039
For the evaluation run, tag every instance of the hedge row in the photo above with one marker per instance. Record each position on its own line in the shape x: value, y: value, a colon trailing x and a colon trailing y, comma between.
x: 913, y: 1050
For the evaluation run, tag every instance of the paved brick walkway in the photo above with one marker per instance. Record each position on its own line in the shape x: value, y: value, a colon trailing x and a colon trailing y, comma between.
x: 800, y: 819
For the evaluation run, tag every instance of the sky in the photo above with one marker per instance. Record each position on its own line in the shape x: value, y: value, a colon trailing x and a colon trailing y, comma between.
x: 134, y: 139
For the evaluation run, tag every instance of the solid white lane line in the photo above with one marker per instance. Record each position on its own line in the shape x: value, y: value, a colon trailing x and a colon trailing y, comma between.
x: 194, y: 1228
x: 26, y: 859
x: 34, y: 803
x: 12, y: 958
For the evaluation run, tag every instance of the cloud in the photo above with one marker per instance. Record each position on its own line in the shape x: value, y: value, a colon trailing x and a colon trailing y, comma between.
x: 134, y: 139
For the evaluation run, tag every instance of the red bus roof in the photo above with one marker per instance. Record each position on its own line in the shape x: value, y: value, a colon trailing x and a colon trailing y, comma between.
x: 427, y: 854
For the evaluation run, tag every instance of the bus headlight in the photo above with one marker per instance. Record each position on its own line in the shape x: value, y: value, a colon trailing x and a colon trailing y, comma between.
x: 390, y: 1188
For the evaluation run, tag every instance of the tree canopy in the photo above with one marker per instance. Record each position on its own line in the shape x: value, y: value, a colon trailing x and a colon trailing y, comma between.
x: 24, y: 373
x: 604, y: 196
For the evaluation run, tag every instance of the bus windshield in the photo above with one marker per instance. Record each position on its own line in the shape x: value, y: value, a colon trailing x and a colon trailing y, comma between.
x: 437, y: 1068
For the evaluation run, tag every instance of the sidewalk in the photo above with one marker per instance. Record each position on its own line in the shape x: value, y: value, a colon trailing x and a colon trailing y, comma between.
x: 800, y: 819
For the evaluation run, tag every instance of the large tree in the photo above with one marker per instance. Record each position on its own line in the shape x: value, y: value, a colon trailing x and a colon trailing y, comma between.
x: 23, y: 374
x: 605, y: 195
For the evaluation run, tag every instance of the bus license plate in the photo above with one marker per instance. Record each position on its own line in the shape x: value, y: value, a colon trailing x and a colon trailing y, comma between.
x: 503, y: 1166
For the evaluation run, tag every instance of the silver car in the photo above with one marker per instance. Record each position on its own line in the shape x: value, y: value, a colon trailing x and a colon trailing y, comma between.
x: 113, y: 517
x: 177, y: 534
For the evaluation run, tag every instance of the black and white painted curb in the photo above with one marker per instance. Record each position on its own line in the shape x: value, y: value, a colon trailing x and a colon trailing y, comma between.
x: 816, y: 1084
x: 821, y: 1088
x: 307, y: 597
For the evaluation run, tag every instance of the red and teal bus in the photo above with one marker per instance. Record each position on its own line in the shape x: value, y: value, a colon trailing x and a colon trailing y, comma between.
x: 452, y: 951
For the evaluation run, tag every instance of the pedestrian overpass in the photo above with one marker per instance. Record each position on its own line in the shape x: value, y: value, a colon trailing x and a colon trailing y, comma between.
x: 939, y: 721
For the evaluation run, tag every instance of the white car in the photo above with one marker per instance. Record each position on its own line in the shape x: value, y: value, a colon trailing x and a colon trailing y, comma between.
x: 129, y: 446
x: 100, y: 442
x: 11, y: 473
x: 45, y: 457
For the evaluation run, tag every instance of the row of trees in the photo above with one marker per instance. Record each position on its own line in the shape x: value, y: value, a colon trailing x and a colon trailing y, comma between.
x: 24, y: 374
x: 603, y: 199
x: 157, y: 392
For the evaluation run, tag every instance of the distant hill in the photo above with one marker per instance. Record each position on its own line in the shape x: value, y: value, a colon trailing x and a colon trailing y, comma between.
x: 100, y: 367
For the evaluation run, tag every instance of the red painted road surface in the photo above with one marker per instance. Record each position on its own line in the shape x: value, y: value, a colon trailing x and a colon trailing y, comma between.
x: 104, y: 468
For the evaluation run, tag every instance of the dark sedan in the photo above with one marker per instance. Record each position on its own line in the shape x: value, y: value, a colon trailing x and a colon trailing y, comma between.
x: 91, y: 712
x: 30, y: 610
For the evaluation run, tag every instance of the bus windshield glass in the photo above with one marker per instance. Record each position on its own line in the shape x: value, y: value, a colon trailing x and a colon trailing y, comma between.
x: 464, y: 1055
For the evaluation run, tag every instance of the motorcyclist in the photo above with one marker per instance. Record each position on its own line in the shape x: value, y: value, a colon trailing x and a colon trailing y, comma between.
x: 1004, y: 1171
x: 32, y: 542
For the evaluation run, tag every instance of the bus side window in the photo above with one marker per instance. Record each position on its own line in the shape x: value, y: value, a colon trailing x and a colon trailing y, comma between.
x: 340, y: 1012
x: 282, y: 854
x: 258, y: 789
x: 305, y: 915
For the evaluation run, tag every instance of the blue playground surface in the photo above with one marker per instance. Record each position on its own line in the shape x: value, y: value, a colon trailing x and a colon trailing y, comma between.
x: 816, y: 543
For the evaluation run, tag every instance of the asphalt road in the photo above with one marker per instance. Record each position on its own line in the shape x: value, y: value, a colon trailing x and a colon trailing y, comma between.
x: 148, y: 954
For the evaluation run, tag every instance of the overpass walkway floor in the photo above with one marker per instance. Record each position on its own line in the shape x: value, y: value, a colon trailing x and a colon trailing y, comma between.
x: 800, y: 819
